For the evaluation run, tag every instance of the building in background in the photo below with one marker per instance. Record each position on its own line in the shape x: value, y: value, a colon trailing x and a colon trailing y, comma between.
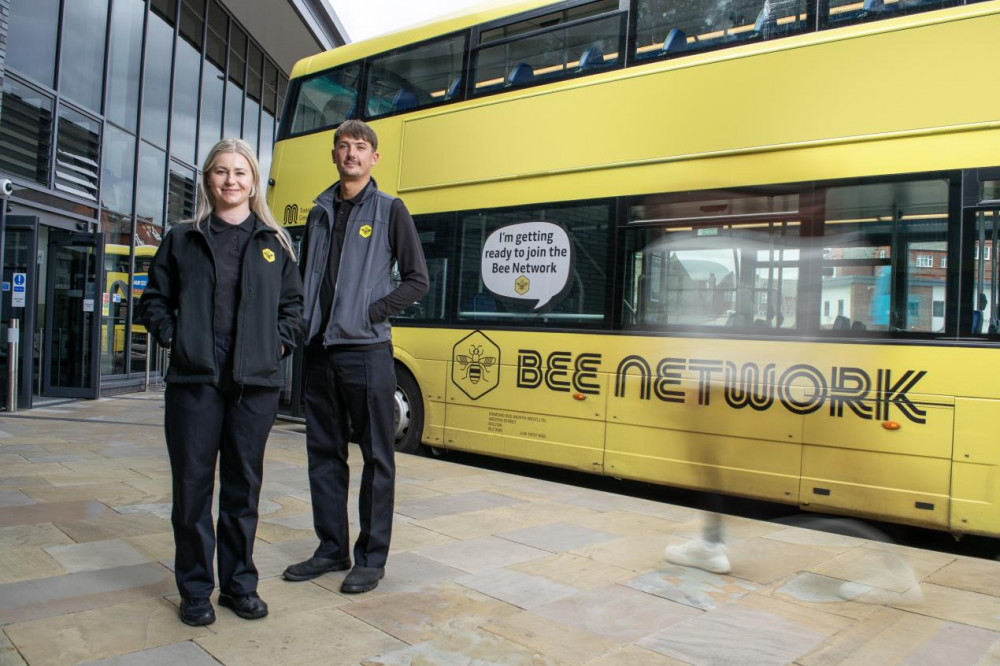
x: 108, y: 108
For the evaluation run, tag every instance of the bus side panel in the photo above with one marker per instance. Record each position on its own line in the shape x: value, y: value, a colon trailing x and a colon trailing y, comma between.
x: 733, y: 465
x: 931, y: 439
x: 846, y: 481
x: 975, y: 480
x: 418, y: 350
x: 856, y: 465
x: 715, y: 417
x: 527, y: 424
x: 706, y: 446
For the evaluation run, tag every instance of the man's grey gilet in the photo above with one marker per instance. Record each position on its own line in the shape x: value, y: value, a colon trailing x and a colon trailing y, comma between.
x: 364, y: 275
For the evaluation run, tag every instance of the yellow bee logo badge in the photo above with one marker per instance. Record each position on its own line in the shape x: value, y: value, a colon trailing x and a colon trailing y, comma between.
x: 268, y: 255
x: 365, y: 231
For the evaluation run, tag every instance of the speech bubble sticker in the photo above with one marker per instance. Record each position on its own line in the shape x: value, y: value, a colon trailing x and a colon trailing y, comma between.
x: 528, y: 261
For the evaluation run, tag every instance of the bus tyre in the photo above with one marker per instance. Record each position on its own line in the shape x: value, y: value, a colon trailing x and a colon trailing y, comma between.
x: 408, y: 412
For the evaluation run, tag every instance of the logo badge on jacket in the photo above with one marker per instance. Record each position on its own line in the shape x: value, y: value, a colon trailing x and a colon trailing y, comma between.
x: 268, y: 255
x: 365, y: 231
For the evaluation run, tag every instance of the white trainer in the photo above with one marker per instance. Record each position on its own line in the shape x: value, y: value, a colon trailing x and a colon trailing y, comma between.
x: 699, y: 554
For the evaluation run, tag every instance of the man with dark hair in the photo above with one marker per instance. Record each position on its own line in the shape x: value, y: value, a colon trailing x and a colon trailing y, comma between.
x: 354, y: 235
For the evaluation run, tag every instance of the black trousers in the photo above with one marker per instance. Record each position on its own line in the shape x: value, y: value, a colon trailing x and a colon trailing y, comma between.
x: 205, y: 422
x: 345, y: 391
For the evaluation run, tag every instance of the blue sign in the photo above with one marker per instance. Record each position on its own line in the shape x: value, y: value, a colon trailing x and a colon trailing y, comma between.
x: 139, y: 282
x: 6, y: 285
x: 20, y: 279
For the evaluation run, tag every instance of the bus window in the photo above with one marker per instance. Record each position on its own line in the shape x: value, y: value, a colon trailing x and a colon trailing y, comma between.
x: 666, y: 28
x: 415, y: 78
x: 718, y: 259
x: 985, y: 274
x: 326, y: 100
x: 437, y: 239
x: 579, y: 40
x: 884, y: 254
x: 544, y: 266
x: 844, y: 12
x: 718, y: 275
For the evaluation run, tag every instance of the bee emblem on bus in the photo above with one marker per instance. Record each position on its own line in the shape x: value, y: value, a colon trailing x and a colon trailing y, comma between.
x: 476, y: 365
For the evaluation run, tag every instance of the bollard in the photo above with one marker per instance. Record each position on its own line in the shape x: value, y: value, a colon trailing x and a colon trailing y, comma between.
x: 149, y: 349
x: 13, y: 338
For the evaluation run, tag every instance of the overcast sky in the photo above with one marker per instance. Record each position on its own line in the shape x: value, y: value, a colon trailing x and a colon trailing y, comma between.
x: 366, y: 18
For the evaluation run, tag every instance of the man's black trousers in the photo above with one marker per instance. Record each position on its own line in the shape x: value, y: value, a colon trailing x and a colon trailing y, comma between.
x: 204, y: 422
x: 345, y: 391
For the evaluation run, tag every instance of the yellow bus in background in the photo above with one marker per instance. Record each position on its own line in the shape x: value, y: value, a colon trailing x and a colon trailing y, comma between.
x: 118, y: 292
x: 744, y: 247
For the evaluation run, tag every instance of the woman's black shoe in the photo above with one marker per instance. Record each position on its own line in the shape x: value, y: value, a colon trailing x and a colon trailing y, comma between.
x: 247, y: 606
x: 197, y: 612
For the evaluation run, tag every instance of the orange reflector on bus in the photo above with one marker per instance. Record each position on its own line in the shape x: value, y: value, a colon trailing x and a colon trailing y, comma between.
x: 579, y: 396
x: 890, y: 425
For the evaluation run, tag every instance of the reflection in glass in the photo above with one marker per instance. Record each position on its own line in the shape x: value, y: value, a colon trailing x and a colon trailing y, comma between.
x: 181, y: 194
x: 266, y: 144
x: 32, y: 36
x: 185, y: 117
x: 156, y: 89
x: 115, y: 309
x: 124, y: 62
x: 417, y: 77
x: 234, y: 86
x: 984, y: 318
x: 152, y: 179
x: 549, y: 55
x: 81, y: 78
x: 721, y: 276
x: 117, y: 171
x: 327, y: 99
x: 210, y: 130
x: 670, y: 27
x: 77, y: 153
x: 882, y: 257
x: 25, y: 132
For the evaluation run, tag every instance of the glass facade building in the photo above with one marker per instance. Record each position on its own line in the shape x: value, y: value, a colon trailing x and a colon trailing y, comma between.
x: 108, y: 109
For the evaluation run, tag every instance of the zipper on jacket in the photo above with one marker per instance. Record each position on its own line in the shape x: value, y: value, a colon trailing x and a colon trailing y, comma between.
x: 244, y: 300
x: 217, y: 373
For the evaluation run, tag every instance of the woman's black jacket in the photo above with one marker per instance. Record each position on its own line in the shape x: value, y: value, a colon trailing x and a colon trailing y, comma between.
x: 178, y: 304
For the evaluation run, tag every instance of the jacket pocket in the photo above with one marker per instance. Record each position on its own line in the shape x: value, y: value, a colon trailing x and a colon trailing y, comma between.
x: 191, y: 354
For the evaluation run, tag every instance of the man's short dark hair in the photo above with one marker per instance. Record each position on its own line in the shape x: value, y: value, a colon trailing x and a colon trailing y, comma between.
x: 356, y: 129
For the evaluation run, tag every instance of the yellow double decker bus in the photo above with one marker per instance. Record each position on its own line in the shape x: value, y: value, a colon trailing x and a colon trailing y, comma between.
x: 740, y: 246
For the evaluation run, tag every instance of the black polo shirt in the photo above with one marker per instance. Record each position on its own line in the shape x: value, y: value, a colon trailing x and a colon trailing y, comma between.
x: 229, y: 243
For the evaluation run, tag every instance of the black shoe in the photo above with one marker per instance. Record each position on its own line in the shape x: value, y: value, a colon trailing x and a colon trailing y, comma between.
x: 247, y: 606
x: 197, y: 612
x: 362, y: 579
x: 315, y: 567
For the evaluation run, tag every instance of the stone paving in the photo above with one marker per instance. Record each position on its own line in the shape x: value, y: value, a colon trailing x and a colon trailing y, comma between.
x: 486, y: 568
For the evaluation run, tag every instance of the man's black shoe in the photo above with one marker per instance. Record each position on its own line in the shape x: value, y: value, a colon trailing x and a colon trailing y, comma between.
x: 315, y: 567
x: 197, y: 612
x: 247, y: 606
x: 362, y: 579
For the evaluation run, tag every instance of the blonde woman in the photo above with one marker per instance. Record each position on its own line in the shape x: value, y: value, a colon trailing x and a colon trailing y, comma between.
x: 225, y: 296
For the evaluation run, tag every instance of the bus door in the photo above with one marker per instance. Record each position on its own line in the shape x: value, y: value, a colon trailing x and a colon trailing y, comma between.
x: 73, y: 307
x: 20, y: 289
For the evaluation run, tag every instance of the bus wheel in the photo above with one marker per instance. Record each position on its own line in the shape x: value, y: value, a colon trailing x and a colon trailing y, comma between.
x: 408, y: 412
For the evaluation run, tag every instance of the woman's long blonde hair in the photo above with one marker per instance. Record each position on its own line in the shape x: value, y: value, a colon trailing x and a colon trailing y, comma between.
x: 258, y: 202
